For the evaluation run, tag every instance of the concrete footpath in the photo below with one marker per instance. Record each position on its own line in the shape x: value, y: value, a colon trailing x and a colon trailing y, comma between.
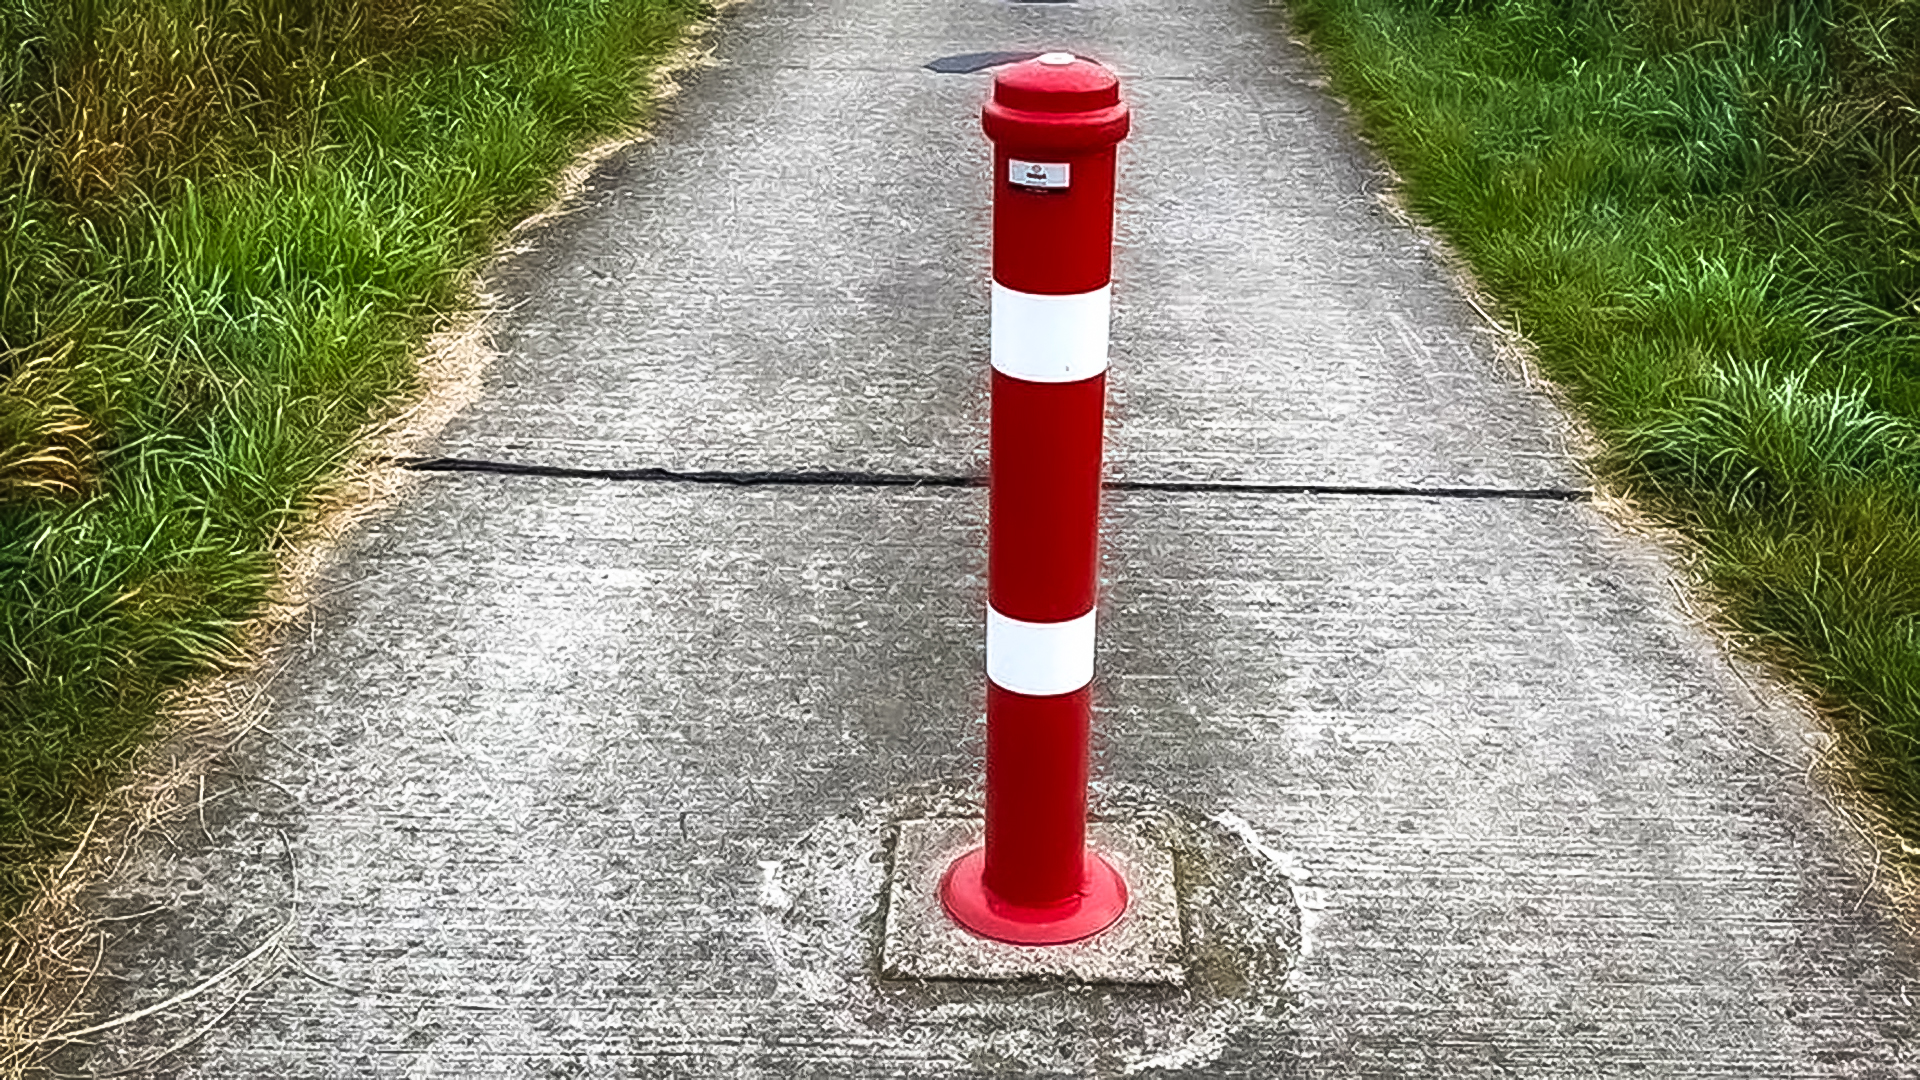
x: 568, y: 776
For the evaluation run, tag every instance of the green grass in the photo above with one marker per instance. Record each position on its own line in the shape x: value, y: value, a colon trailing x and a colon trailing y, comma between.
x: 223, y: 226
x: 1706, y: 217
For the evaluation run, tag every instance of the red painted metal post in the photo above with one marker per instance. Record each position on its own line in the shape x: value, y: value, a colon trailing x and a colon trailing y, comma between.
x: 1055, y: 123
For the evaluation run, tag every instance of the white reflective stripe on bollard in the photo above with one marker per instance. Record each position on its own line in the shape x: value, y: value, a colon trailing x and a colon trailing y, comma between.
x: 1039, y: 659
x: 1050, y: 339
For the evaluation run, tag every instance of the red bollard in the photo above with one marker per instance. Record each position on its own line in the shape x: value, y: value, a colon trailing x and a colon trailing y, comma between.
x: 1055, y: 122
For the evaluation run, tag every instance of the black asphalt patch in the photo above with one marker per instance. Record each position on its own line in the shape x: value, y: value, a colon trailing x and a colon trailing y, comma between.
x: 968, y: 63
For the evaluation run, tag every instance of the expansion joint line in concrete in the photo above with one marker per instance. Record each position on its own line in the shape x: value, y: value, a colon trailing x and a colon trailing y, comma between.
x: 722, y: 477
x: 850, y: 478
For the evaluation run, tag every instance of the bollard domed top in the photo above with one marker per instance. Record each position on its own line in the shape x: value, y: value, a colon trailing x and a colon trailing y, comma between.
x: 1045, y: 84
x: 1056, y: 99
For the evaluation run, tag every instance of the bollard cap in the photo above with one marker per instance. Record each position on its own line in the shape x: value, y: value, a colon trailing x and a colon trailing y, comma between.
x: 1056, y: 101
x: 1057, y: 82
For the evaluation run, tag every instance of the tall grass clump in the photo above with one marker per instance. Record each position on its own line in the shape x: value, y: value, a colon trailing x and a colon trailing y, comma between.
x: 1705, y: 214
x: 223, y: 223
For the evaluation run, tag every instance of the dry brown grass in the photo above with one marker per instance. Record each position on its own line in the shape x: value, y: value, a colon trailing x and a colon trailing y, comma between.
x: 399, y: 26
x: 46, y: 442
x: 147, y: 92
x: 137, y: 104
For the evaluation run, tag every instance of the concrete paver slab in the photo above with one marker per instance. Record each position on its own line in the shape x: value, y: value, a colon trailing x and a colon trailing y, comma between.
x: 922, y: 942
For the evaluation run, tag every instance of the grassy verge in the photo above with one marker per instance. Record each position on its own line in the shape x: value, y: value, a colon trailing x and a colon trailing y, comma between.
x: 1706, y: 217
x: 223, y: 225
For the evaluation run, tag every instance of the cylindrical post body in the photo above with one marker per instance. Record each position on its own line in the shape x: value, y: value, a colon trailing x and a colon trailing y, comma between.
x: 1043, y: 556
x: 1055, y: 123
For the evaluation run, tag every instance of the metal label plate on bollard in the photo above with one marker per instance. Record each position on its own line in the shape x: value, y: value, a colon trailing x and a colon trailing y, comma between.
x: 1047, y: 176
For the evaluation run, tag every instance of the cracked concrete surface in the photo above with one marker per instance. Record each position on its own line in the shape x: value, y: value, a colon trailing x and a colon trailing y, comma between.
x: 575, y: 777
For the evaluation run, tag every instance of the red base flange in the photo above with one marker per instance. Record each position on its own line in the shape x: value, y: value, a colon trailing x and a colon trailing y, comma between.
x: 964, y: 894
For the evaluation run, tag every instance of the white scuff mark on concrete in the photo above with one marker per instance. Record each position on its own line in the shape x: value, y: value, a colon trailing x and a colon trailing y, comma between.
x: 774, y: 903
x: 1311, y: 900
x: 425, y: 1067
x: 774, y: 898
x: 802, y: 924
x: 1203, y: 1047
x: 1289, y: 862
